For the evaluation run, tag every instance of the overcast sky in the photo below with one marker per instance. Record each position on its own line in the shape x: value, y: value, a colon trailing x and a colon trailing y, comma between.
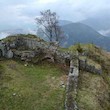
x: 21, y: 13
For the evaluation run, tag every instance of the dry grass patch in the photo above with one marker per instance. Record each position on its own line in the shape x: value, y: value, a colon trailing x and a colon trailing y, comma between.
x: 93, y: 92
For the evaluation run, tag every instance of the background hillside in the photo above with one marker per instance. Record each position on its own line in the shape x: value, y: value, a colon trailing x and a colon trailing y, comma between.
x: 78, y: 32
x: 100, y: 23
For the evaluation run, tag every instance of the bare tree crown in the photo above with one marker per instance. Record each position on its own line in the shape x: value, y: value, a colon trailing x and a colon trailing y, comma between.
x: 49, y: 23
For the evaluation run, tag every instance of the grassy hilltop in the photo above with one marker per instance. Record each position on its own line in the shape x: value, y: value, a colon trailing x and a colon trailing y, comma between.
x: 39, y: 86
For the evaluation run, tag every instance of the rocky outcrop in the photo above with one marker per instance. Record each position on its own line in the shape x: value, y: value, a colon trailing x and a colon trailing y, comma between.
x: 24, y: 55
x: 2, y: 49
x: 9, y: 54
x: 27, y: 48
x: 83, y: 65
x: 5, y: 51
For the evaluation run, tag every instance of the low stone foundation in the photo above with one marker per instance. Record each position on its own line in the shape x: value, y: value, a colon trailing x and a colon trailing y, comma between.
x: 71, y: 88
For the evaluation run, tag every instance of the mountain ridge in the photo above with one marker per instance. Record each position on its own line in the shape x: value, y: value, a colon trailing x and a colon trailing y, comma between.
x: 81, y: 33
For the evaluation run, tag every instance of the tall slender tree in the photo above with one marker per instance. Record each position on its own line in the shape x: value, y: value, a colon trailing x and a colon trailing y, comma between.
x: 49, y: 23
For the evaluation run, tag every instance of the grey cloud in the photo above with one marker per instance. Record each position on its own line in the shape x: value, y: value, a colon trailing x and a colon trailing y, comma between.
x: 19, y: 13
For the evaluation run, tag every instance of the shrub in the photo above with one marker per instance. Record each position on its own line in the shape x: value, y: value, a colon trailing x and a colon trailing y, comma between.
x: 79, y: 48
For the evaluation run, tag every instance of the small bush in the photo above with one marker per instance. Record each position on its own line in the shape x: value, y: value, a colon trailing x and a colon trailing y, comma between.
x: 79, y: 48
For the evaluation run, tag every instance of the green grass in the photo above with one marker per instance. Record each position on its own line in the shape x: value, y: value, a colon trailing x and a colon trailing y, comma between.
x: 35, y: 87
x: 83, y: 46
x: 12, y: 38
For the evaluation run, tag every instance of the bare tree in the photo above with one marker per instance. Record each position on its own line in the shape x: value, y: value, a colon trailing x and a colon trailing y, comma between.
x: 48, y: 22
